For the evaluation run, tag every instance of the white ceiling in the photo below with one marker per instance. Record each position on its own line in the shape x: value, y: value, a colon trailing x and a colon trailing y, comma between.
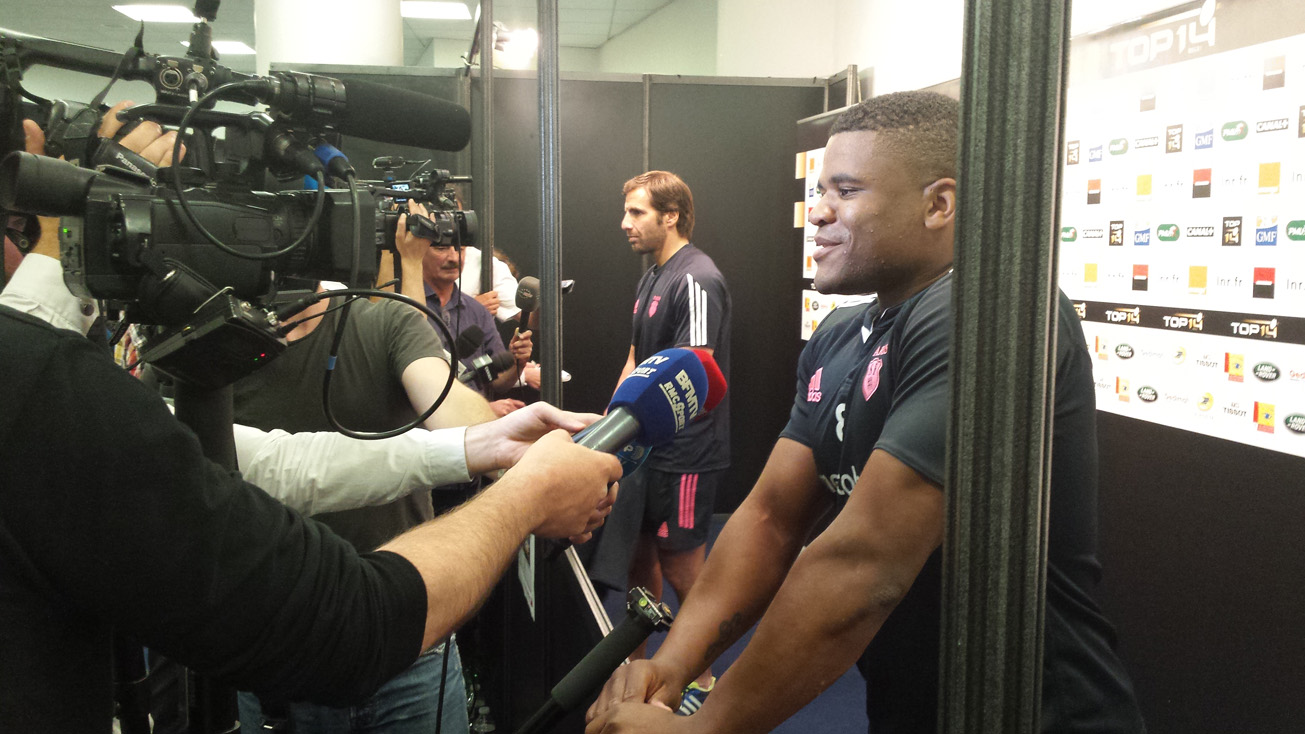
x: 581, y: 23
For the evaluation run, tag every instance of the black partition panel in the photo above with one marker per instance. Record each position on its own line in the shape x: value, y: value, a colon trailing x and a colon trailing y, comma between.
x: 1204, y: 558
x: 733, y: 144
x: 601, y: 127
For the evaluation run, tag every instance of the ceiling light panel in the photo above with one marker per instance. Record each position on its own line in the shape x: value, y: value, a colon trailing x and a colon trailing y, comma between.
x: 157, y: 13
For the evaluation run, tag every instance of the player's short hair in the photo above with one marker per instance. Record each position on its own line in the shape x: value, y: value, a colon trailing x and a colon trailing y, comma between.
x: 668, y: 193
x: 921, y: 127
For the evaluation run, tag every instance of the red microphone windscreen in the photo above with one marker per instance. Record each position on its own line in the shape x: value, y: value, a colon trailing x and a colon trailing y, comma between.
x: 716, y: 386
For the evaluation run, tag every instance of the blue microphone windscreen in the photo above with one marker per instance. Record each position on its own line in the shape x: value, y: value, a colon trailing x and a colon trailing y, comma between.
x: 665, y: 393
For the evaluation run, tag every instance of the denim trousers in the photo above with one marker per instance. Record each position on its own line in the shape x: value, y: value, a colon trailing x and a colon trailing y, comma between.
x: 407, y: 704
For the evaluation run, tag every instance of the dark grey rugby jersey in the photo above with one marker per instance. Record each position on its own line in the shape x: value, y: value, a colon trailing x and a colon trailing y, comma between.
x: 877, y: 379
x: 685, y: 303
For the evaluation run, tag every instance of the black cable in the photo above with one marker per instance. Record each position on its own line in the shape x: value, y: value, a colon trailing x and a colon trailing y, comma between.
x: 287, y: 327
x: 330, y: 365
x: 444, y: 679
x: 318, y: 205
x: 357, y: 219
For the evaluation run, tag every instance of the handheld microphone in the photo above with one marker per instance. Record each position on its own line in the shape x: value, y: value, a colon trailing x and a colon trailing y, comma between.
x: 528, y: 294
x: 469, y: 340
x: 488, y: 366
x: 657, y: 400
x: 644, y: 615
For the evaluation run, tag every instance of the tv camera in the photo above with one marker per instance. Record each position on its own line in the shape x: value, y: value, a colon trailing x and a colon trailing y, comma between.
x: 201, y: 252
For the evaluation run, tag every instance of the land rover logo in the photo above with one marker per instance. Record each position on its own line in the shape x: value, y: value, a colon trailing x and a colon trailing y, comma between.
x: 1295, y: 423
x: 1266, y: 372
x: 1147, y: 394
x: 1124, y: 351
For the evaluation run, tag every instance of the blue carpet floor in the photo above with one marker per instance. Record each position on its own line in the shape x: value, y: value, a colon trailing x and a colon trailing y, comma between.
x: 839, y: 710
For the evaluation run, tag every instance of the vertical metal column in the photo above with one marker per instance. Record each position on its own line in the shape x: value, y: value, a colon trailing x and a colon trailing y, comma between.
x: 486, y: 205
x: 646, y: 260
x: 994, y: 554
x: 550, y: 208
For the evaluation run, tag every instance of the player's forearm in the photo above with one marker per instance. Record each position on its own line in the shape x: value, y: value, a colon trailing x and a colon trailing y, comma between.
x: 742, y: 574
x: 462, y: 554
x: 853, y: 596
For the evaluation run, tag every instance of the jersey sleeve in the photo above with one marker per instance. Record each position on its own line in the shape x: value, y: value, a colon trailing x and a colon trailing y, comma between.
x: 915, y: 430
x: 120, y: 516
x: 701, y: 307
x: 801, y: 418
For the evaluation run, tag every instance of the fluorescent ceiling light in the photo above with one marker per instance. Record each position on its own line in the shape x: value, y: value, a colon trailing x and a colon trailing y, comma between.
x: 157, y: 13
x: 434, y: 10
x: 229, y: 48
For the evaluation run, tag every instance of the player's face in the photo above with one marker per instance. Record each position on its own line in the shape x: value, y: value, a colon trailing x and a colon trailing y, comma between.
x: 644, y: 226
x: 868, y: 219
x: 442, y: 264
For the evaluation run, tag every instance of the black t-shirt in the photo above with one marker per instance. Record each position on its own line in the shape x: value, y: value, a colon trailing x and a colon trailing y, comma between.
x: 380, y: 340
x: 685, y: 303
x: 871, y: 379
x: 110, y: 517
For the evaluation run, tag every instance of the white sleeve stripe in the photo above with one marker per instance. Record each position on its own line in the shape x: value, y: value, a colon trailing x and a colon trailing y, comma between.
x: 702, y: 318
x: 693, y: 310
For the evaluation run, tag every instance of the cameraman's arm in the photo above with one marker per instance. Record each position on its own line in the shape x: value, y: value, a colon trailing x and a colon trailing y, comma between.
x: 412, y: 250
x: 424, y: 379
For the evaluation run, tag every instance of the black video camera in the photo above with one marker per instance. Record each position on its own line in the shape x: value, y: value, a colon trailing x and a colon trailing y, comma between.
x: 445, y: 224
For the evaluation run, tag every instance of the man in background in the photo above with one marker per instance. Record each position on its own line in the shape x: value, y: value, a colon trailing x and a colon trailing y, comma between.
x: 659, y: 529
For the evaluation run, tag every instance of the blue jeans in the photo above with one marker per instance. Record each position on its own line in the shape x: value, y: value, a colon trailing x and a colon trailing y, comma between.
x: 407, y: 704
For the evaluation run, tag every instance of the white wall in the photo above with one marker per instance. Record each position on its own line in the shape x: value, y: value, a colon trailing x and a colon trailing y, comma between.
x: 680, y: 38
x: 907, y: 44
x: 777, y: 38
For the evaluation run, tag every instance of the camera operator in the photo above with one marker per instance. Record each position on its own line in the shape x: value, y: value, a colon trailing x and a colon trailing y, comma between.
x: 111, y: 518
x: 311, y: 472
x: 391, y: 366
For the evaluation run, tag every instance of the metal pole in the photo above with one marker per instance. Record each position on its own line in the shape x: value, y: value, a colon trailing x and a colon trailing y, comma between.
x: 550, y: 208
x: 486, y: 205
x: 998, y: 480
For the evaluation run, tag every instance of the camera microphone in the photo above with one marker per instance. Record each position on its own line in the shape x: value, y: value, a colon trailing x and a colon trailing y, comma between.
x: 388, y: 161
x: 371, y: 111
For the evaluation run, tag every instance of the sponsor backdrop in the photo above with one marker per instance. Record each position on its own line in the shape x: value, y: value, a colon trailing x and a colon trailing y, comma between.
x: 1183, y: 220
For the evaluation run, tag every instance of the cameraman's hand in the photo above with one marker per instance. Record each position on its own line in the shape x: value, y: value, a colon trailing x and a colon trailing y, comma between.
x: 500, y: 444
x: 489, y: 301
x: 411, y: 248
x: 147, y: 139
x: 565, y: 489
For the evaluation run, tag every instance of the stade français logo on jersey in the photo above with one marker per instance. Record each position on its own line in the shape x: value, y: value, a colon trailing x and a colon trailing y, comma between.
x: 652, y: 307
x: 813, y: 387
x: 870, y: 383
x: 636, y: 306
